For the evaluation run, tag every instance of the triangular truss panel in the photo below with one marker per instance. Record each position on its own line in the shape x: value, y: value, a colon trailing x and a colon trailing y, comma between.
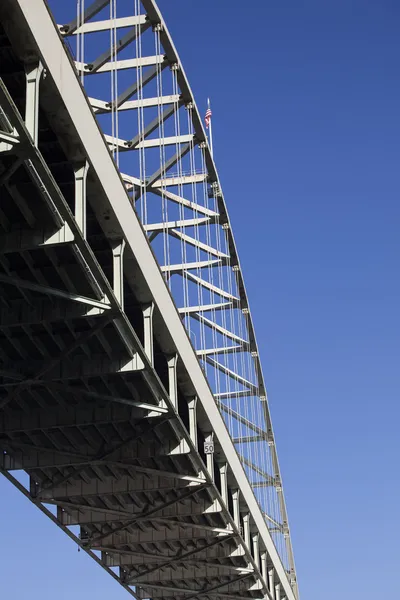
x: 141, y: 97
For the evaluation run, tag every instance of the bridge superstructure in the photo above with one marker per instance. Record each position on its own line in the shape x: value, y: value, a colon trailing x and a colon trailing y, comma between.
x: 132, y: 397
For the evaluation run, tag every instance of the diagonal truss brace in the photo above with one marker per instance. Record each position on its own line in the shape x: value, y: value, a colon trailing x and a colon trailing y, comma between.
x: 183, y: 556
x: 36, y: 287
x: 148, y: 513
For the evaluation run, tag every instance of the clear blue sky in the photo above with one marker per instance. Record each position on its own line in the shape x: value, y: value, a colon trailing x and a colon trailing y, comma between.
x: 305, y: 98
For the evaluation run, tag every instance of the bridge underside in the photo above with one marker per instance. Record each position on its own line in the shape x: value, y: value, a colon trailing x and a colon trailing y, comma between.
x: 104, y: 415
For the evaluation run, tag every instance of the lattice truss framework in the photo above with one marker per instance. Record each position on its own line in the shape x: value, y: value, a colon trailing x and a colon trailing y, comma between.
x: 139, y: 93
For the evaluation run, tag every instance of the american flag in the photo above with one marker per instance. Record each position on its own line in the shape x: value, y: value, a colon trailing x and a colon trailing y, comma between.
x: 207, y: 118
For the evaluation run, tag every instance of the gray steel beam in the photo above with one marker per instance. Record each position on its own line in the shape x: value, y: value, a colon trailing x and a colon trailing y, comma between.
x: 90, y: 12
x: 80, y: 174
x: 69, y: 533
x: 33, y: 75
x: 209, y: 250
x: 44, y: 46
x: 129, y: 37
x: 269, y: 479
x: 187, y: 95
x: 123, y: 486
x: 152, y: 126
x: 248, y: 439
x: 118, y: 247
x: 271, y: 582
x: 44, y: 311
x: 195, y: 207
x: 28, y: 239
x: 100, y: 106
x: 115, y: 451
x: 181, y: 590
x: 149, y: 513
x: 22, y: 204
x: 29, y: 285
x: 76, y: 368
x: 168, y: 165
x: 150, y: 531
x: 182, y: 556
x: 48, y: 365
x: 148, y: 310
x: 147, y: 76
x: 243, y: 420
x: 13, y: 421
x: 82, y: 514
x: 51, y: 193
x: 34, y: 462
x: 154, y: 409
x: 6, y: 174
x: 214, y: 588
x: 125, y: 558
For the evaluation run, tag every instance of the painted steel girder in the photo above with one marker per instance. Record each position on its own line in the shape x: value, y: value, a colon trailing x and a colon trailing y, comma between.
x: 210, y: 590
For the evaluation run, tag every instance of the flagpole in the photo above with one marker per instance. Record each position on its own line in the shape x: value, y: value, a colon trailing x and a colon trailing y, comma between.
x: 210, y: 129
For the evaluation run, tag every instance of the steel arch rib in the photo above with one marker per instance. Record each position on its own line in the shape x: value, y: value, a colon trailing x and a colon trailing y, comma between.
x: 171, y: 52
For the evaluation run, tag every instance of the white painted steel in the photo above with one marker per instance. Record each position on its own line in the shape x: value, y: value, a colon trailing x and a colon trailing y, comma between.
x: 80, y: 112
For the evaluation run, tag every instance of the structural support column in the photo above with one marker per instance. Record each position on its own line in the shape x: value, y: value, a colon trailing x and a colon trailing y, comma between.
x: 172, y: 380
x: 264, y: 570
x: 223, y: 473
x: 118, y: 247
x: 192, y: 406
x: 33, y: 76
x: 80, y: 173
x: 271, y: 582
x: 278, y: 591
x: 33, y: 488
x: 256, y: 549
x: 60, y: 514
x: 246, y: 529
x: 182, y: 447
x: 209, y: 452
x: 236, y: 511
x: 148, y: 310
x: 239, y: 551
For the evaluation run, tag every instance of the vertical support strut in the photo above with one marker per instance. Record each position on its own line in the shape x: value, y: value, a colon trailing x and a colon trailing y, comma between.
x: 182, y: 446
x: 264, y: 569
x: 223, y: 473
x: 172, y: 380
x: 33, y: 75
x: 33, y: 488
x: 118, y: 247
x: 60, y: 514
x: 148, y: 310
x: 80, y: 173
x: 239, y: 551
x: 246, y: 529
x: 271, y: 582
x: 278, y: 591
x: 192, y: 405
x: 210, y: 455
x: 256, y: 549
x: 236, y: 510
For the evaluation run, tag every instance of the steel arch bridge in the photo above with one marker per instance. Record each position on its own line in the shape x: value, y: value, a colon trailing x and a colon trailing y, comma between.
x: 133, y: 405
